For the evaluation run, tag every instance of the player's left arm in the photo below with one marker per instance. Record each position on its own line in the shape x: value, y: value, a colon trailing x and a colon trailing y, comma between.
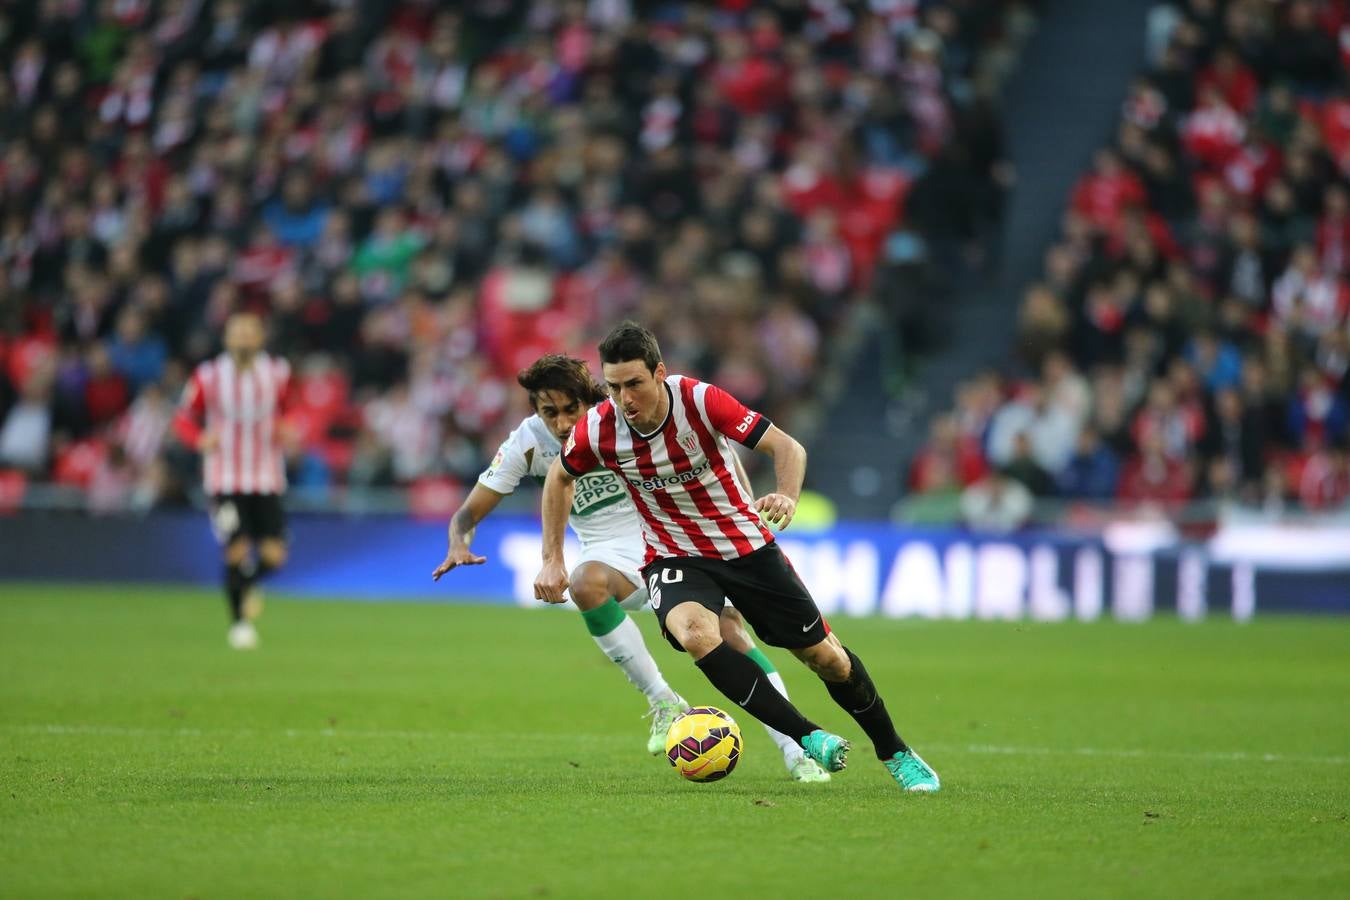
x: 741, y: 475
x: 789, y: 468
x: 287, y: 431
x: 745, y: 426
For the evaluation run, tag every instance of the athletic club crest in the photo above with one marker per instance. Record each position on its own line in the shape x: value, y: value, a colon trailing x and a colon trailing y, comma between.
x: 689, y: 441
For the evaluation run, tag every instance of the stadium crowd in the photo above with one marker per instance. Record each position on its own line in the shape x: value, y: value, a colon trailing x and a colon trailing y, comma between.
x: 1189, y: 339
x: 424, y: 197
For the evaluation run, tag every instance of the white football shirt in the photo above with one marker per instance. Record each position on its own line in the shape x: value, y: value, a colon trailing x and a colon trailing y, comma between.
x: 601, y: 507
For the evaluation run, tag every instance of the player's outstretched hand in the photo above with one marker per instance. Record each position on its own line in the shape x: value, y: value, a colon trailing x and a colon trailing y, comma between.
x: 776, y: 509
x: 459, y: 556
x: 551, y: 582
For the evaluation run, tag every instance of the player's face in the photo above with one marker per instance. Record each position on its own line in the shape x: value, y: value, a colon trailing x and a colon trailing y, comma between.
x: 559, y: 412
x: 243, y: 336
x: 638, y: 393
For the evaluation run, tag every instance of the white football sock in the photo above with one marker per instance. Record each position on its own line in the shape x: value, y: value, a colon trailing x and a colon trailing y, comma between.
x: 625, y: 646
x: 792, y: 751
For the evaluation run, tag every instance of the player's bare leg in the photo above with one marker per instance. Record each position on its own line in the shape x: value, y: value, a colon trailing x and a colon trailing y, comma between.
x: 800, y: 766
x: 852, y: 688
x: 238, y: 553
x: 596, y: 590
x: 698, y: 631
x: 272, y: 555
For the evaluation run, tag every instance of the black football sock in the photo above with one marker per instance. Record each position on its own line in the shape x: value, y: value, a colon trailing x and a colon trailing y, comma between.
x: 859, y: 698
x: 235, y: 584
x: 745, y: 684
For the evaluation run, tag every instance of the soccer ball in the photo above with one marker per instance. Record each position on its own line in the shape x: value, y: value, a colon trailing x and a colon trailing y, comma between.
x: 704, y: 744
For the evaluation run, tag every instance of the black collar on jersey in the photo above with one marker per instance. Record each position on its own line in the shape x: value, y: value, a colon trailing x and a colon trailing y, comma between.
x: 670, y: 411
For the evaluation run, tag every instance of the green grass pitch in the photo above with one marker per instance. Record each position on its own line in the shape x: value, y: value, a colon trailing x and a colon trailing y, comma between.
x: 406, y: 750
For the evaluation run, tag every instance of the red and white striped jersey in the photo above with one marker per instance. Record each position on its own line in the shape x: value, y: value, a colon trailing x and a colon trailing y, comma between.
x: 242, y: 407
x: 682, y: 477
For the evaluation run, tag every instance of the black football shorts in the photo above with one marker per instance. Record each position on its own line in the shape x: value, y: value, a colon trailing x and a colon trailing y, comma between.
x: 762, y: 585
x: 253, y: 516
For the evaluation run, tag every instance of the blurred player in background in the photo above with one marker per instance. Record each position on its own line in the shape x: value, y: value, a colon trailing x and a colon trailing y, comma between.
x: 666, y: 437
x: 605, y: 580
x: 231, y: 413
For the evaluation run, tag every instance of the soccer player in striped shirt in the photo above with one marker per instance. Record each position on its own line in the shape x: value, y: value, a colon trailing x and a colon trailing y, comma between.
x: 605, y: 580
x: 666, y: 436
x: 231, y: 414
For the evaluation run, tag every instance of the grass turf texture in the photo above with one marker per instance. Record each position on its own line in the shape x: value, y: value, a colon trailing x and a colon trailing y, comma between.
x: 429, y: 750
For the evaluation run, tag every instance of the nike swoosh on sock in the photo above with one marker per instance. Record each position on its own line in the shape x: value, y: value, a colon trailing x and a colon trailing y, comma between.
x: 858, y: 712
x: 751, y: 694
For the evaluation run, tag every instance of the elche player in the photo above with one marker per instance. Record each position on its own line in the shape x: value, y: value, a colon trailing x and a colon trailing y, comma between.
x: 231, y: 413
x: 666, y: 437
x: 605, y: 580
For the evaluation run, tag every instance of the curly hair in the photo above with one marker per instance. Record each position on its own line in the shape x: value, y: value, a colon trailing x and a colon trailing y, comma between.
x: 564, y: 374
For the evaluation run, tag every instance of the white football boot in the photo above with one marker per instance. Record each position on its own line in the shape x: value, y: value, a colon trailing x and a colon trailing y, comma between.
x: 243, y: 636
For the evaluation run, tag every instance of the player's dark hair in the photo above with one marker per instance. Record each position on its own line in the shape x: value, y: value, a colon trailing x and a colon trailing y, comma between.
x: 563, y: 374
x: 629, y: 341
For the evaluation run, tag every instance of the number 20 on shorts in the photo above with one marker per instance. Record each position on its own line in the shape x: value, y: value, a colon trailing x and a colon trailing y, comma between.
x: 665, y: 576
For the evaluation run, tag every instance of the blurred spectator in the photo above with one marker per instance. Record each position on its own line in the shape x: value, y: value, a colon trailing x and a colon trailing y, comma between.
x: 140, y: 433
x: 106, y: 389
x: 1066, y: 391
x: 1152, y: 476
x: 1217, y: 362
x: 1023, y: 467
x: 297, y: 218
x: 112, y: 482
x: 1302, y: 49
x: 1103, y: 195
x: 1324, y: 478
x: 1093, y: 471
x: 25, y: 435
x: 935, y: 499
x: 384, y: 259
x: 136, y: 353
x: 1307, y: 300
x: 1317, y: 415
x: 997, y: 504
x: 1049, y: 430
x: 1220, y: 485
x: 948, y: 453
x: 1044, y: 325
x: 1234, y: 434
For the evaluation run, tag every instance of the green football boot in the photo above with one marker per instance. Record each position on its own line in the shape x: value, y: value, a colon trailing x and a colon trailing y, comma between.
x: 663, y: 713
x: 912, y: 773
x: 827, y: 749
x: 807, y: 771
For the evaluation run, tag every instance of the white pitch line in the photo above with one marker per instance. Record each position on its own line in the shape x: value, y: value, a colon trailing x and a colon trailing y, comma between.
x: 382, y: 734
x: 376, y: 733
x: 1206, y: 755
